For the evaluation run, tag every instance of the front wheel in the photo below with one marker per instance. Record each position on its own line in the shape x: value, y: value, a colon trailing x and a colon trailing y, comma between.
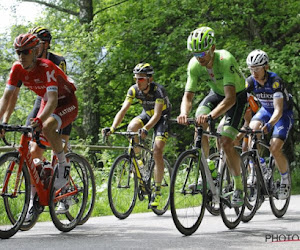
x: 14, y: 198
x: 69, y: 201
x: 188, y: 192
x: 165, y: 188
x: 278, y: 206
x: 122, y: 187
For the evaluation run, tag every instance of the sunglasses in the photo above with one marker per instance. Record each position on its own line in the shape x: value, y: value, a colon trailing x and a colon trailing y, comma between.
x: 201, y: 54
x: 140, y: 78
x: 25, y: 52
x: 255, y: 69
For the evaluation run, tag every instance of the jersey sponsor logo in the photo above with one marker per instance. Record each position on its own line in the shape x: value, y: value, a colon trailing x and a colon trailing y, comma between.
x: 50, y: 76
x: 67, y: 110
x: 275, y: 85
x: 264, y: 96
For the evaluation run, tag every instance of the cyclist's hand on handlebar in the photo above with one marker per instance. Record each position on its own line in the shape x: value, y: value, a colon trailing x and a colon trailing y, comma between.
x: 143, y: 133
x: 182, y: 119
x: 202, y: 119
x: 107, y: 131
x: 266, y: 128
x: 36, y: 124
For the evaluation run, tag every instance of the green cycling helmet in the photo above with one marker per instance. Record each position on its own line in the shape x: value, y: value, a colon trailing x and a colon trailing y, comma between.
x: 201, y: 39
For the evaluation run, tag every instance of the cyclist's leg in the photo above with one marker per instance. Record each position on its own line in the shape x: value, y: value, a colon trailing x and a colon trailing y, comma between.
x: 135, y: 124
x: 207, y: 105
x: 161, y: 135
x: 65, y: 135
x: 63, y: 115
x: 233, y: 120
x: 280, y: 133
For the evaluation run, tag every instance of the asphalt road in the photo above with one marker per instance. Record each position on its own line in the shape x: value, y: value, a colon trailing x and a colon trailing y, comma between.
x: 149, y: 231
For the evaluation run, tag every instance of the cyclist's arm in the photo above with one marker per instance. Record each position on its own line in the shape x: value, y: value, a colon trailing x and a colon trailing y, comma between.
x: 185, y: 107
x: 5, y: 101
x: 11, y: 105
x: 120, y: 115
x: 278, y: 110
x: 156, y: 117
x: 226, y: 103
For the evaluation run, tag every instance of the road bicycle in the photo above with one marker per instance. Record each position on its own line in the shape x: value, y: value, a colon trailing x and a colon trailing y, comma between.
x: 193, y: 188
x: 127, y: 180
x: 18, y: 172
x: 267, y: 182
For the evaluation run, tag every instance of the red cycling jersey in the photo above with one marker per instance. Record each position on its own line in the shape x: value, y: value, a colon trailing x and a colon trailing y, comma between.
x: 45, y: 76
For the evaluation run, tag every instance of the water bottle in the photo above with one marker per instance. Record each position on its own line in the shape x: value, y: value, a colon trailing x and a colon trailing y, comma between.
x: 212, y: 168
x: 47, y: 173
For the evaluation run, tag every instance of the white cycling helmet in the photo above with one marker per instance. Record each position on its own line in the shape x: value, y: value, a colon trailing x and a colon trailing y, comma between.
x: 257, y: 58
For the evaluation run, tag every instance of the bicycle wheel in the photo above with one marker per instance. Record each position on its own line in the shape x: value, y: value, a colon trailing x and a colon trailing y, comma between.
x: 253, y: 194
x: 122, y: 187
x: 73, y: 196
x: 231, y: 216
x: 212, y: 207
x: 165, y: 188
x: 278, y: 207
x: 188, y: 194
x: 14, y: 199
x: 91, y: 186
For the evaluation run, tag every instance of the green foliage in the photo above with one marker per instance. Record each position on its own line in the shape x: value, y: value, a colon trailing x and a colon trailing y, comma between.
x: 102, y: 52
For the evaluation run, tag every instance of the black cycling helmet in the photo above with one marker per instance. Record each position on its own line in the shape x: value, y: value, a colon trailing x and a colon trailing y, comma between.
x: 42, y: 33
x: 143, y: 68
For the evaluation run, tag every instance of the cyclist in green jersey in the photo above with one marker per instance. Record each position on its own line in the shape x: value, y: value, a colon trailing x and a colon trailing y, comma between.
x: 219, y: 70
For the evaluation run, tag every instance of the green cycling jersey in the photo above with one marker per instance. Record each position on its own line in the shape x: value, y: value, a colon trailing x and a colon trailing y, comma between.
x: 225, y: 72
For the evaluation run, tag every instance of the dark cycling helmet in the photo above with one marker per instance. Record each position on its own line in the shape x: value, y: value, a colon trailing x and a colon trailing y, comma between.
x: 143, y: 68
x: 26, y: 41
x: 42, y: 33
x: 201, y: 39
x: 257, y: 58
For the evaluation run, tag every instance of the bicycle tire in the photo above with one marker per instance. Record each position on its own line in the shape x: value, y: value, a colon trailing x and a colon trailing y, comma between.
x: 73, y: 195
x: 278, y: 207
x: 122, y: 187
x: 165, y: 188
x: 13, y: 208
x: 213, y: 208
x: 91, y: 186
x: 253, y: 194
x: 188, y: 203
x: 231, y: 216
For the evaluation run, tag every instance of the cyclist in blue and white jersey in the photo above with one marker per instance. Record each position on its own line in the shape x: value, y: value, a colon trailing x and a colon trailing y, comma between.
x: 275, y: 113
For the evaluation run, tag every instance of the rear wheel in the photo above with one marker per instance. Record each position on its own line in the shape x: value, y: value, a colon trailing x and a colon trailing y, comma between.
x: 279, y: 207
x: 188, y: 192
x: 122, y: 187
x: 71, y: 199
x: 91, y: 186
x: 231, y: 216
x: 14, y: 200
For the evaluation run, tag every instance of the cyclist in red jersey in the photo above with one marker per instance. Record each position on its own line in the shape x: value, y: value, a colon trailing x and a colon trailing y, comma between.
x: 59, y: 104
